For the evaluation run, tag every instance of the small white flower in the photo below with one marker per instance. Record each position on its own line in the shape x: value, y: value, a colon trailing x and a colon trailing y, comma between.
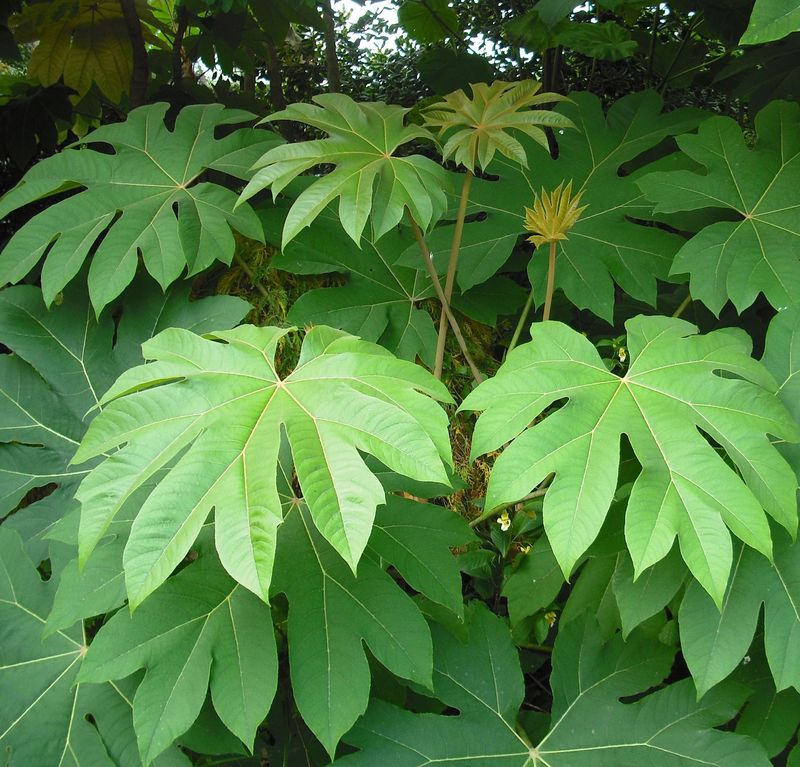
x: 504, y: 521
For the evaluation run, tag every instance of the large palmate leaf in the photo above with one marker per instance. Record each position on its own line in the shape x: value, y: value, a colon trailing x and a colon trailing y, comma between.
x: 758, y: 252
x: 332, y: 612
x: 370, y: 179
x: 223, y: 406
x: 607, y: 245
x: 78, y: 43
x: 670, y: 391
x: 714, y: 642
x: 381, y: 300
x: 201, y: 630
x: 589, y: 725
x: 64, y: 360
x: 47, y: 718
x: 146, y: 198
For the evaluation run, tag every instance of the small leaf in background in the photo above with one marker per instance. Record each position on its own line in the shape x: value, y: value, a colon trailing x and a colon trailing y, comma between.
x: 218, y: 403
x: 129, y: 200
x: 607, y: 41
x: 670, y: 391
x: 371, y: 180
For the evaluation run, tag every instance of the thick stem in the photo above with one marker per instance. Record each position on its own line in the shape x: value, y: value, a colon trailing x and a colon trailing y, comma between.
x: 678, y: 53
x: 682, y: 307
x: 331, y: 59
x: 245, y: 267
x: 141, y: 73
x: 551, y: 279
x: 455, y: 246
x: 521, y: 324
x: 275, y: 72
x: 426, y: 257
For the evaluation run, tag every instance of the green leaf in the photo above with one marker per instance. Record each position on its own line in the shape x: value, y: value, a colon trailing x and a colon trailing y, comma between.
x: 639, y: 599
x: 201, y: 630
x: 589, y: 725
x: 47, y: 718
x: 758, y: 252
x: 129, y: 201
x: 428, y: 21
x: 715, y: 641
x: 606, y: 246
x: 218, y: 402
x: 670, y: 391
x: 444, y: 69
x: 535, y: 582
x: 331, y: 612
x: 370, y: 180
x: 380, y: 301
x: 771, y: 20
x: 416, y: 538
x: 64, y: 360
x: 607, y: 41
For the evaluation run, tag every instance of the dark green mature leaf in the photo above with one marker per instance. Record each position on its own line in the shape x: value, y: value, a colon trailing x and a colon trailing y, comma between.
x: 381, y: 300
x: 331, y: 612
x: 145, y: 198
x: 64, y: 360
x: 607, y: 41
x: 370, y: 179
x: 771, y: 20
x: 715, y: 641
x: 201, y: 629
x: 757, y: 253
x: 223, y: 406
x: 589, y: 726
x: 607, y: 245
x: 670, y: 391
x: 47, y: 719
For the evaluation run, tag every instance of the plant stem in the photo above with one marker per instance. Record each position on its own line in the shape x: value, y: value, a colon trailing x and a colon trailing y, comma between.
x: 551, y: 278
x: 140, y: 74
x: 538, y: 493
x: 426, y: 257
x: 522, y: 318
x: 245, y: 267
x: 543, y: 648
x: 682, y: 307
x: 455, y: 245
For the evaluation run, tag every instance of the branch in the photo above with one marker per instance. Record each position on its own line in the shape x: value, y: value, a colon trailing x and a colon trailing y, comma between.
x: 141, y: 73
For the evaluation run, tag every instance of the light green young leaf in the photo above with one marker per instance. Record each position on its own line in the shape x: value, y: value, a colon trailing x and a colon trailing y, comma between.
x: 129, y: 201
x: 331, y: 614
x: 44, y: 718
x: 201, y: 630
x: 370, y: 179
x: 669, y: 395
x: 757, y: 253
x: 222, y: 407
x: 589, y: 727
x: 771, y: 20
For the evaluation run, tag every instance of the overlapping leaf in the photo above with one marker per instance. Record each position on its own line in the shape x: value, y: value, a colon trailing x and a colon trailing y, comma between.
x: 145, y: 198
x: 757, y: 253
x: 608, y: 245
x: 370, y: 179
x: 771, y: 20
x: 63, y: 361
x: 47, y: 716
x: 714, y: 642
x: 669, y: 398
x: 381, y: 300
x: 223, y: 406
x: 201, y: 629
x: 332, y: 612
x: 589, y: 725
